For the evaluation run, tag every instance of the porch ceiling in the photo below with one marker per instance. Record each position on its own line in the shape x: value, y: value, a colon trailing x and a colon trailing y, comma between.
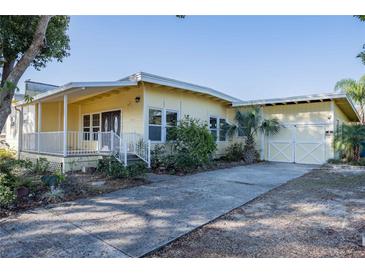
x: 79, y: 91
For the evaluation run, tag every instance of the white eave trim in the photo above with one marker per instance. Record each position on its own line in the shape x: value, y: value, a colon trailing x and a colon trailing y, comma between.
x: 159, y: 80
x: 77, y: 85
x: 296, y: 99
x: 313, y: 97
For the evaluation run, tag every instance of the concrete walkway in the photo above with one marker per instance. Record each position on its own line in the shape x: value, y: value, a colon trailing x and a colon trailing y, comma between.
x: 132, y: 222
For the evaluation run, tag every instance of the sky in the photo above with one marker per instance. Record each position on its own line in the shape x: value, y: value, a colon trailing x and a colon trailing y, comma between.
x: 248, y: 57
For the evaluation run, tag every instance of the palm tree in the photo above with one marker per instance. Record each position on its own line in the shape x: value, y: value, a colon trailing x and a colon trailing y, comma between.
x: 248, y: 124
x: 349, y: 140
x: 356, y: 90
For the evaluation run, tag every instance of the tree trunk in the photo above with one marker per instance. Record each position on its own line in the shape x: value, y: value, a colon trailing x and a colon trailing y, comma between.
x: 356, y: 151
x: 250, y: 154
x: 7, y: 91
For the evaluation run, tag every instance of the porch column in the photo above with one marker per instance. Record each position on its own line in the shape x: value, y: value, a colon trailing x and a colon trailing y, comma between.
x: 39, y: 124
x: 65, y: 102
x: 20, y: 132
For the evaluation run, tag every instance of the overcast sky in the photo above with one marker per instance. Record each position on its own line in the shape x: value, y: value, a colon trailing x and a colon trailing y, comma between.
x: 249, y: 57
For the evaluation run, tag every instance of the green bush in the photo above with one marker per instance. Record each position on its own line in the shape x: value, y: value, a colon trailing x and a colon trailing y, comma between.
x: 41, y: 166
x: 7, y: 196
x: 234, y: 152
x: 113, y: 168
x: 192, y: 147
x: 193, y: 141
x: 158, y: 155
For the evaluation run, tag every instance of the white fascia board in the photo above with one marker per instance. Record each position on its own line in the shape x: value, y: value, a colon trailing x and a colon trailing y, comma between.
x: 291, y: 99
x: 159, y: 80
x: 75, y: 85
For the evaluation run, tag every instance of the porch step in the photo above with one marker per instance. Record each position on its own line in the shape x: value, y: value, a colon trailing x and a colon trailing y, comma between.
x: 132, y: 158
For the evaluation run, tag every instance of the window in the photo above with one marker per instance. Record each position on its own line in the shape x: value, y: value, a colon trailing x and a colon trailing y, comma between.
x: 213, y: 126
x: 222, y: 130
x: 155, y: 125
x: 171, y: 123
x: 95, y: 125
x: 86, y: 127
x: 218, y: 128
x: 91, y: 126
x: 160, y: 124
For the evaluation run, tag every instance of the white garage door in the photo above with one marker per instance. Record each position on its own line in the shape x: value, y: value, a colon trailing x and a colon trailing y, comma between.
x: 303, y: 144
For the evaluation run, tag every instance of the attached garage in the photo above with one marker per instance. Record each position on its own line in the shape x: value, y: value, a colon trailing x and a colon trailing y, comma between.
x: 309, y: 123
x: 305, y: 144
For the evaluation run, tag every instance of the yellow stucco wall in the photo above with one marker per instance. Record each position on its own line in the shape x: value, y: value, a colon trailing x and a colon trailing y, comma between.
x: 186, y: 103
x: 124, y: 100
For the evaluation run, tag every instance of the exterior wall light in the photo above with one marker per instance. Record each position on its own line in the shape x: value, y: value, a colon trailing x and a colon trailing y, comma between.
x: 137, y: 99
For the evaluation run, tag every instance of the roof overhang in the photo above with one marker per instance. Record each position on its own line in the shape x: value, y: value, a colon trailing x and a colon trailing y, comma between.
x: 342, y: 100
x: 79, y: 90
x: 164, y: 81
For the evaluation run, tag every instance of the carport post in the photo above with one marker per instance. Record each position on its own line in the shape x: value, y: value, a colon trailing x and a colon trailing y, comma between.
x: 65, y: 102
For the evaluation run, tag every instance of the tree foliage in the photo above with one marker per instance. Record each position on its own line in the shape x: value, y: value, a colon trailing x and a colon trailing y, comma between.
x: 248, y: 124
x: 356, y: 90
x: 28, y: 41
x: 361, y: 55
x: 349, y: 140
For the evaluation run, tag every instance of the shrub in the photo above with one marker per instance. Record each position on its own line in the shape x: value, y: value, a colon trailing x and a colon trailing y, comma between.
x: 6, y: 154
x: 41, y: 166
x: 158, y: 155
x: 234, y: 152
x: 193, y: 138
x: 53, y: 181
x: 7, y: 196
x: 113, y: 168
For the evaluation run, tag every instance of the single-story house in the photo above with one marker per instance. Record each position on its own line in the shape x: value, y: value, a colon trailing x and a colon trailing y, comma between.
x: 74, y: 125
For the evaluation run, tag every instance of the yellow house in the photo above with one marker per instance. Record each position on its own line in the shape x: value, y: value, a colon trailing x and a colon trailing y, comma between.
x: 76, y: 124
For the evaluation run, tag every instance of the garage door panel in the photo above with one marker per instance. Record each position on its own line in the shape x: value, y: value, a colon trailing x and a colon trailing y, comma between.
x: 309, y: 133
x: 307, y: 141
x: 280, y: 152
x: 309, y: 153
x: 285, y: 134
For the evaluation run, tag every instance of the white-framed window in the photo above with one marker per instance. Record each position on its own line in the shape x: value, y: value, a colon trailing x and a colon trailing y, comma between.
x: 155, y: 124
x: 217, y: 127
x: 160, y: 124
x: 171, y: 123
x: 91, y: 124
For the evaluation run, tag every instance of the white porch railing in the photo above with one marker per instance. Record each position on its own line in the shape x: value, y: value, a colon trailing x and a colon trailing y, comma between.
x: 86, y: 143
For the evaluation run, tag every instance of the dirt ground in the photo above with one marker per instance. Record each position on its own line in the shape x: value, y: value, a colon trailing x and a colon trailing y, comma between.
x: 321, y: 214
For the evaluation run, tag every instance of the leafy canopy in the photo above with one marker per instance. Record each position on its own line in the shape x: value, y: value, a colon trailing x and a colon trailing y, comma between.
x: 250, y: 122
x: 349, y: 140
x: 356, y: 90
x: 16, y: 35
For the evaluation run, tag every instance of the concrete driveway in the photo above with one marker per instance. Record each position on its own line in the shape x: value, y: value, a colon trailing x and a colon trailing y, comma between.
x: 132, y: 222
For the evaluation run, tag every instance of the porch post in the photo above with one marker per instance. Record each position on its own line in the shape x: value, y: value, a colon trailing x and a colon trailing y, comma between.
x: 39, y: 124
x: 20, y: 132
x: 65, y: 102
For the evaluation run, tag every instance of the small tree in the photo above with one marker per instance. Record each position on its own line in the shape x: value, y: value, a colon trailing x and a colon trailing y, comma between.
x: 26, y: 41
x: 248, y: 124
x: 356, y: 90
x: 348, y: 140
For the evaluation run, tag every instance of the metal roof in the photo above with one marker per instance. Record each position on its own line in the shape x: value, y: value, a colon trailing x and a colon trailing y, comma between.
x: 160, y: 80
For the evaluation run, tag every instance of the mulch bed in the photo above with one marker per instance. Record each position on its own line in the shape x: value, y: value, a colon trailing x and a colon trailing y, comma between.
x: 77, y: 185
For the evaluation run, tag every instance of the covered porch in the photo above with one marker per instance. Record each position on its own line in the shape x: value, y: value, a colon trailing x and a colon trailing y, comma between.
x: 98, y: 119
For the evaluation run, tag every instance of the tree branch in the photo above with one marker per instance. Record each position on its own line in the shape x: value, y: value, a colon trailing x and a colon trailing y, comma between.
x: 7, y: 91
